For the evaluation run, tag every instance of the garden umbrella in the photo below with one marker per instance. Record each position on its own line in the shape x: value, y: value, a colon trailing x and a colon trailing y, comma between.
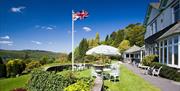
x: 104, y: 50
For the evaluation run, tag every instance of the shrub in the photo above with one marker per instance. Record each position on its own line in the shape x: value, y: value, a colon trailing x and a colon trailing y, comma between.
x: 149, y: 59
x: 83, y: 84
x: 167, y: 72
x: 32, y: 65
x: 15, y: 67
x: 47, y: 81
x: 2, y: 68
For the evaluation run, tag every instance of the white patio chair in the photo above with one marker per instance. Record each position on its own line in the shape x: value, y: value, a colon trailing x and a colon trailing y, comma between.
x: 114, y: 74
x: 156, y: 71
x: 93, y: 73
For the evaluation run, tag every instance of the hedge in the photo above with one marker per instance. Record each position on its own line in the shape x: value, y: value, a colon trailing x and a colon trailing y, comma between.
x: 48, y: 81
x: 167, y: 72
x: 2, y: 70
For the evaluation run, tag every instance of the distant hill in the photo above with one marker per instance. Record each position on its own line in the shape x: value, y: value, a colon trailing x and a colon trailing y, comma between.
x: 32, y: 54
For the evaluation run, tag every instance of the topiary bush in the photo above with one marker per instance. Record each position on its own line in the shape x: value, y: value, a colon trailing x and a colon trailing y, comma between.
x: 15, y: 67
x: 147, y: 60
x: 48, y: 81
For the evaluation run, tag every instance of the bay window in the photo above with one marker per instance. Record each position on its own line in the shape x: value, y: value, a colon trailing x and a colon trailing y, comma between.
x: 169, y: 51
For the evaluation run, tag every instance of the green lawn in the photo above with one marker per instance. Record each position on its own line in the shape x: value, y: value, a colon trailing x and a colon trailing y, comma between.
x: 11, y: 83
x: 129, y: 82
x: 79, y: 74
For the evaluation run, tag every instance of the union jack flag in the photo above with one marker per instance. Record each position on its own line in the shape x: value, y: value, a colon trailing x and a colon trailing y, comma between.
x: 80, y: 15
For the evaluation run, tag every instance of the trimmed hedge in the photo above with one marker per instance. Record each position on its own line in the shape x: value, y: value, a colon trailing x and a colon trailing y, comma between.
x: 49, y: 81
x: 167, y: 72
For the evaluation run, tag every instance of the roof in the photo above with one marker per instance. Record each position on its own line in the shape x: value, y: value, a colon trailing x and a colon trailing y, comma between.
x: 133, y: 49
x: 155, y: 5
x: 151, y: 5
x: 152, y: 39
x: 173, y: 30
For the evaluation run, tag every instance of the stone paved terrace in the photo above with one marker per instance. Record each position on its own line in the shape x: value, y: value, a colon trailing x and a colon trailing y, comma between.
x: 162, y: 83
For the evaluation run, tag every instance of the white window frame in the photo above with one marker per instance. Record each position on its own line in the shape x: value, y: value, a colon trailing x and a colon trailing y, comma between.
x: 168, y: 45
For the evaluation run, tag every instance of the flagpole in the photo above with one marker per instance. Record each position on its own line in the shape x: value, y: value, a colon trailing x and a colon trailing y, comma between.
x: 72, y: 59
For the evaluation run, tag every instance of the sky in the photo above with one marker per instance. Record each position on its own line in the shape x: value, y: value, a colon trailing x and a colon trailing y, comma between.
x: 46, y: 24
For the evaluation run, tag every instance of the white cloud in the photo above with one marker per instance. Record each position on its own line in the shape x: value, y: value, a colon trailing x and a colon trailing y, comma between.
x: 17, y: 9
x: 5, y: 37
x: 36, y: 42
x: 6, y: 42
x: 50, y: 27
x: 87, y: 29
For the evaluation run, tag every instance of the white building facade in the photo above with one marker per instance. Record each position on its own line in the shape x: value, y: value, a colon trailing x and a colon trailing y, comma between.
x: 162, y: 35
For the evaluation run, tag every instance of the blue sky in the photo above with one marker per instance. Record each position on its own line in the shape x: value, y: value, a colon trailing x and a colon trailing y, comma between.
x: 46, y: 24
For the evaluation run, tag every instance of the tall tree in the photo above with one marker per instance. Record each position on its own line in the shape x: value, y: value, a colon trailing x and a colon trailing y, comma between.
x: 135, y: 34
x: 83, y: 47
x: 119, y: 38
x: 107, y: 37
x: 97, y: 39
x: 124, y: 45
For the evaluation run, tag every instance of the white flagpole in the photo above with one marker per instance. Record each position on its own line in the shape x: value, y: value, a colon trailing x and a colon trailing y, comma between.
x: 72, y: 59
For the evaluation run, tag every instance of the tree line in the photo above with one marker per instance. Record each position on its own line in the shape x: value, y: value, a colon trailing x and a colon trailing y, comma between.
x: 122, y: 39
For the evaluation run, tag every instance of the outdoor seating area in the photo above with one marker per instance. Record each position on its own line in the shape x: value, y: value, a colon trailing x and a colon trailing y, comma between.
x: 109, y: 72
x: 78, y: 67
x: 150, y: 70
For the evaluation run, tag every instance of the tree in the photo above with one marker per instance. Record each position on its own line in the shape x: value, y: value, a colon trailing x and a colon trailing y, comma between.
x: 15, y: 67
x: 111, y: 39
x: 107, y: 37
x: 83, y: 47
x: 2, y: 68
x: 70, y: 56
x: 44, y: 60
x: 32, y: 65
x: 97, y: 40
x: 135, y: 34
x: 91, y: 43
x: 119, y: 38
x: 124, y: 45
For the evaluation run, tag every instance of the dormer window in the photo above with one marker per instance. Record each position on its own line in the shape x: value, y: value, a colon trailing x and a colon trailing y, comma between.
x: 176, y: 10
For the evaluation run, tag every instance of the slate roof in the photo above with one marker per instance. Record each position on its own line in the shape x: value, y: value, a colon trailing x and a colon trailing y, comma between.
x: 155, y: 5
x: 133, y: 49
x: 173, y: 30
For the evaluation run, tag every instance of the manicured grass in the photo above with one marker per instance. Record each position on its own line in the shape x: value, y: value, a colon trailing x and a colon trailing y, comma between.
x: 128, y: 81
x: 79, y: 74
x: 11, y: 83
